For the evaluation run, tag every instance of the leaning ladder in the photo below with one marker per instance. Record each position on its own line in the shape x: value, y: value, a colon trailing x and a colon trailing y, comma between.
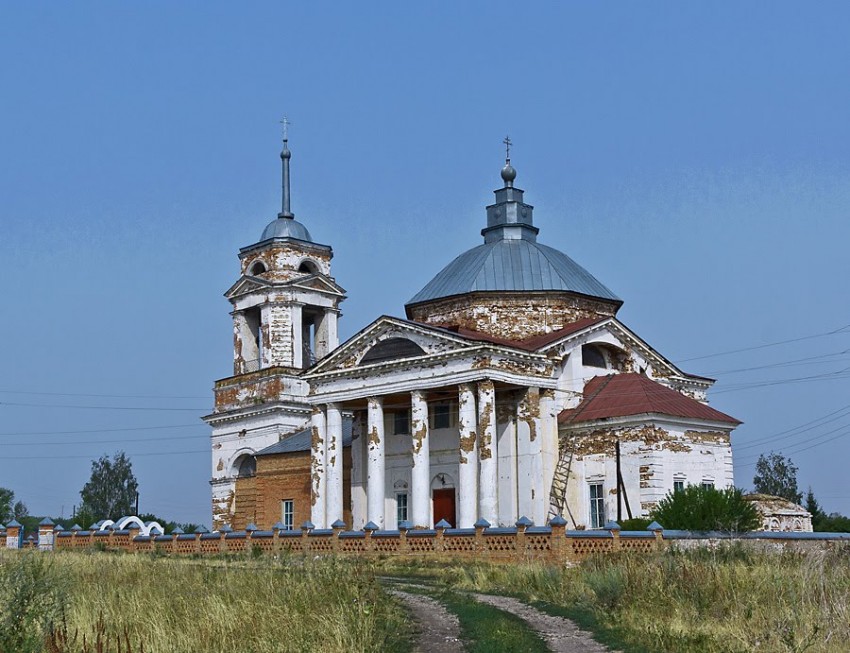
x: 558, y: 495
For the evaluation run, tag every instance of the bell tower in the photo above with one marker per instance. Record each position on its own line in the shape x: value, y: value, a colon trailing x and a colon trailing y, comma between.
x: 285, y: 308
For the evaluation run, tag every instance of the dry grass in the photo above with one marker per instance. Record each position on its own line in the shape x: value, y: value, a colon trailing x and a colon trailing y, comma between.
x: 730, y: 600
x: 179, y: 605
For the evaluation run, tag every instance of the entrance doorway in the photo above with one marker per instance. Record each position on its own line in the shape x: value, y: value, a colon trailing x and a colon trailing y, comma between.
x: 444, y: 505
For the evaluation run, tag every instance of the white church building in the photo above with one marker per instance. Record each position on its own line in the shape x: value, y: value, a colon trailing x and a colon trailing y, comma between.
x: 509, y: 389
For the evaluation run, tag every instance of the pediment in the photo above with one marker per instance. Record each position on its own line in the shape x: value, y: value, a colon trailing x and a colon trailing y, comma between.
x: 613, y: 332
x: 390, y: 339
x: 246, y: 285
x: 318, y: 282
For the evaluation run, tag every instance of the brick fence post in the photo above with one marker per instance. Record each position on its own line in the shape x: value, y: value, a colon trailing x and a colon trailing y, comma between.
x: 440, y: 539
x: 559, y: 545
x: 306, y: 528
x: 338, y: 527
x: 521, y: 545
x: 199, y: 531
x: 614, y: 528
x: 222, y: 537
x: 368, y: 531
x: 480, y: 547
x: 45, y: 534
x: 658, y: 531
x: 403, y: 544
x: 14, y: 535
x: 277, y: 527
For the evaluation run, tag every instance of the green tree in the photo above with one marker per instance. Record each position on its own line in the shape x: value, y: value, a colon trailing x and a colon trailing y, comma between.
x: 777, y: 475
x: 812, y: 505
x: 698, y: 508
x: 111, y: 490
x: 9, y: 508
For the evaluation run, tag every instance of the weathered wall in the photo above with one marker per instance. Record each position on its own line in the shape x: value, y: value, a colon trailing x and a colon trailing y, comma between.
x: 514, y: 316
x: 280, y: 477
x: 283, y: 260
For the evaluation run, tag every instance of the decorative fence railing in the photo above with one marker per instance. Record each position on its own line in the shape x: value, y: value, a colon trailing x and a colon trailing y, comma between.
x: 522, y: 542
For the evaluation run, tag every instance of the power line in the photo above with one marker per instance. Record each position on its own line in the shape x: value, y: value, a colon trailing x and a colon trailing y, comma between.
x: 137, y: 455
x: 86, y: 431
x: 11, y: 403
x: 843, y: 329
x: 45, y: 444
x: 90, y: 394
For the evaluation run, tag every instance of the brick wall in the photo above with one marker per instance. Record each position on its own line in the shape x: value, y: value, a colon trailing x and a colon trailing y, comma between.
x: 280, y: 477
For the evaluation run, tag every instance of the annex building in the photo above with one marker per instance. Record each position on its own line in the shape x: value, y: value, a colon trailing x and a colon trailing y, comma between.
x: 509, y: 389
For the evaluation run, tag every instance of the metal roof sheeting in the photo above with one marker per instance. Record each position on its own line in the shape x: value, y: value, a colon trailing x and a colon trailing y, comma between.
x: 302, y: 441
x: 623, y: 395
x: 512, y: 265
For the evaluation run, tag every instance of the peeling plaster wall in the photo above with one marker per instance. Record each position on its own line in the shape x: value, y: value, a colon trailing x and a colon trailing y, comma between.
x: 283, y: 260
x: 515, y: 316
x: 653, y: 455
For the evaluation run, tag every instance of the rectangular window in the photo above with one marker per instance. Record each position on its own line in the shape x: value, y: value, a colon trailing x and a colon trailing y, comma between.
x: 401, y: 423
x: 401, y: 507
x: 597, y: 505
x: 441, y: 416
x: 287, y: 514
x: 708, y: 485
x: 678, y: 484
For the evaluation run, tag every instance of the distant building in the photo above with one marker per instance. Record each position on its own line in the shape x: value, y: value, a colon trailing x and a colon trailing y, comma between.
x: 780, y: 515
x: 510, y: 389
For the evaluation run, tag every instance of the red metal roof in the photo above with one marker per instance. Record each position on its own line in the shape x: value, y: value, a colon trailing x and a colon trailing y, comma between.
x: 622, y: 395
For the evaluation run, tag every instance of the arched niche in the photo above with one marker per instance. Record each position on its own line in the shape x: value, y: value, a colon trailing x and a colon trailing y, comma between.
x: 391, y: 349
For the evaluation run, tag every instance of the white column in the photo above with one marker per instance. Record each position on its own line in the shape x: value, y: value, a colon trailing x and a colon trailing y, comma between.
x: 420, y: 473
x: 358, y: 471
x: 318, y: 462
x: 488, y: 478
x: 297, y: 337
x: 548, y: 443
x: 333, y: 504
x: 533, y: 501
x: 327, y: 338
x: 376, y: 465
x: 468, y: 449
x: 243, y: 346
x: 506, y: 433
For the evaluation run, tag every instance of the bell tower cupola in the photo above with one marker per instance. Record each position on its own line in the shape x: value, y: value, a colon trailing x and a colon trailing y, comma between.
x: 286, y: 303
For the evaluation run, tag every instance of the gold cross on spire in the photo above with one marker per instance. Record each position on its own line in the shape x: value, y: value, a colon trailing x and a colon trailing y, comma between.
x: 508, y: 144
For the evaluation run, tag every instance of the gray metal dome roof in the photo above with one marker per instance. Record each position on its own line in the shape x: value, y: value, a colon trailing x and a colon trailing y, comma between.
x: 511, y: 259
x: 512, y: 265
x: 284, y: 227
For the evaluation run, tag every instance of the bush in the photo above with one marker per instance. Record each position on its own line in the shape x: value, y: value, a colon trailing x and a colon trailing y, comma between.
x: 636, y: 524
x: 698, y: 508
x: 31, y: 602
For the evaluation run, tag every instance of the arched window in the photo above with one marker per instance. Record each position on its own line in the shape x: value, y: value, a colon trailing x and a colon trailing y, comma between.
x: 592, y: 356
x: 391, y: 348
x: 308, y: 267
x: 246, y: 466
x: 258, y: 268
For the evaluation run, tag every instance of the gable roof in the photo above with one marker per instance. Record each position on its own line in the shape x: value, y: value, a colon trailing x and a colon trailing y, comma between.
x: 623, y: 395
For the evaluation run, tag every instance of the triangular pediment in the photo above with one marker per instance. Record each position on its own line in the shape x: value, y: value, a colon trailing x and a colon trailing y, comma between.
x: 318, y: 282
x: 388, y: 339
x: 612, y: 331
x: 247, y: 285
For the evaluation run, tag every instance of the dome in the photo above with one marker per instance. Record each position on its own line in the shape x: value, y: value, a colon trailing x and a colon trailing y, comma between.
x: 513, y: 265
x: 286, y: 228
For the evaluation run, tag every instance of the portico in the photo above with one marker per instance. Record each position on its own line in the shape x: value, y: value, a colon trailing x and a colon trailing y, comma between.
x: 431, y: 452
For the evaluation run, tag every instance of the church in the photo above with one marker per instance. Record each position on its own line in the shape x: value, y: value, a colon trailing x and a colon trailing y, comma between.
x: 510, y: 389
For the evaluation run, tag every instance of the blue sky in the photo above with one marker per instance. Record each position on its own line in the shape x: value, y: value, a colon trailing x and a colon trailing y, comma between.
x: 693, y: 156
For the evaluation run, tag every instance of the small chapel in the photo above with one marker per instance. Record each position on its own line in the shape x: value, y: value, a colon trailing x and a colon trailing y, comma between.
x: 510, y: 389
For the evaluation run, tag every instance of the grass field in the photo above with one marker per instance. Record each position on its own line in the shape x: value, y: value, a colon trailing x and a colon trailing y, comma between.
x: 176, y: 605
x: 729, y: 600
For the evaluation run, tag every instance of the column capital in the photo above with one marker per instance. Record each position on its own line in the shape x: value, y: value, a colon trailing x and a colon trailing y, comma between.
x: 375, y: 401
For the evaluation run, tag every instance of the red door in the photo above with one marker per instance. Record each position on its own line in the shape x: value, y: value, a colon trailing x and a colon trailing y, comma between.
x: 444, y: 505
